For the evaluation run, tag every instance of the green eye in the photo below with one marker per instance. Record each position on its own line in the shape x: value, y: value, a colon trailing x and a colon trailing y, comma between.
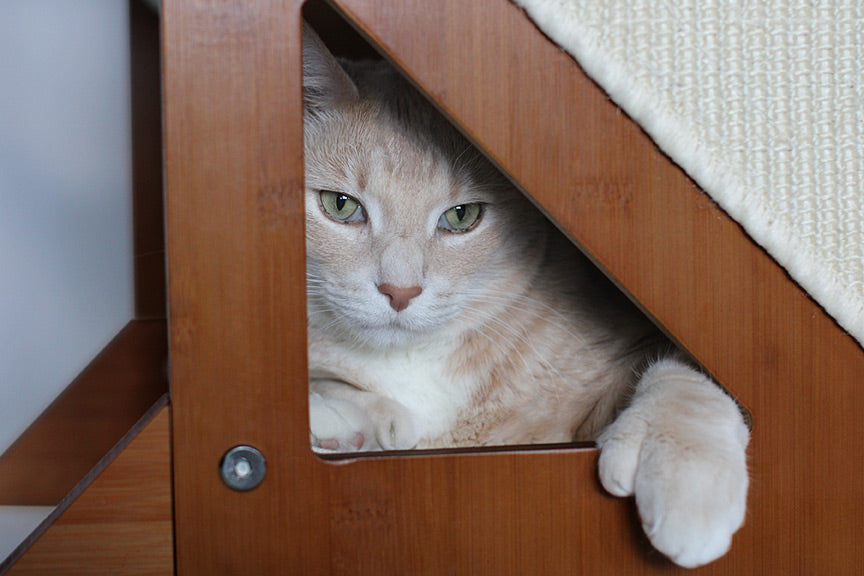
x: 341, y: 207
x: 461, y: 218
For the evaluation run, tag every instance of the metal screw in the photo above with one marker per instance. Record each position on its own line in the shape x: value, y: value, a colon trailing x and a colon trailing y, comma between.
x: 243, y: 468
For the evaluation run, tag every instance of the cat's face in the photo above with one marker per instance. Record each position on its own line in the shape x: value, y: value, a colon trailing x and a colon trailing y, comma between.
x: 409, y: 231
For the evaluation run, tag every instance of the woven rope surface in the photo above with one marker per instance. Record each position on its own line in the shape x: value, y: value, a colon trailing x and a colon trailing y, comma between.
x: 762, y: 103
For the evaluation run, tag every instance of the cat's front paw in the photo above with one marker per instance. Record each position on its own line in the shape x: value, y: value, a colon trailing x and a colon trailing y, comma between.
x: 395, y: 426
x: 340, y: 425
x: 337, y: 425
x: 680, y: 449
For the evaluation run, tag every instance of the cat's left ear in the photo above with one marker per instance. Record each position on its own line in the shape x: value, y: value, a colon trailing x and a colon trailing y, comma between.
x: 325, y: 83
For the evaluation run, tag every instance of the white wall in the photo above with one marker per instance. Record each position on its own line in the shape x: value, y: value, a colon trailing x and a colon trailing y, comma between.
x: 65, y: 196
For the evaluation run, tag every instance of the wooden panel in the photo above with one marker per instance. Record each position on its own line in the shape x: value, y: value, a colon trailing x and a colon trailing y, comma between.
x: 236, y: 286
x: 122, y: 524
x: 235, y: 227
x: 88, y: 418
x: 687, y: 263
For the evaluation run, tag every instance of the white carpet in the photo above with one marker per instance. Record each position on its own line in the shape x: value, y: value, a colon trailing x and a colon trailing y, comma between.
x: 762, y: 103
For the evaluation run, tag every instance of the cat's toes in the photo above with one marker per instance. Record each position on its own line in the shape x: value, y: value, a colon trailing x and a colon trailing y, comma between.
x: 337, y: 425
x: 619, y: 446
x: 395, y: 425
x: 690, y: 504
x: 339, y: 445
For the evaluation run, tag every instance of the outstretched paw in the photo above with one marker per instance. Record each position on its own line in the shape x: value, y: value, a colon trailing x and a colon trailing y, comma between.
x: 680, y: 449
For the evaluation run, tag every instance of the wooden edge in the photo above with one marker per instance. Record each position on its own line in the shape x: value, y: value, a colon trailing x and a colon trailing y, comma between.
x: 70, y: 498
x: 341, y: 36
x: 94, y: 412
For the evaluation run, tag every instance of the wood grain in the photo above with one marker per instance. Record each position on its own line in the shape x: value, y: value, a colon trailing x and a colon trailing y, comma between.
x: 122, y: 524
x: 234, y: 177
x: 236, y: 286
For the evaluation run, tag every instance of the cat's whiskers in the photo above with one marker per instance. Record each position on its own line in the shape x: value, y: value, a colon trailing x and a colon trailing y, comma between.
x: 507, y: 345
x: 527, y: 305
x: 504, y: 302
x: 514, y: 340
x: 542, y: 360
x: 459, y: 164
x: 503, y: 343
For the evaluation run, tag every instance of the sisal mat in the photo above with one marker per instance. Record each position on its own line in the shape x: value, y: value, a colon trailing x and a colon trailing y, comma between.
x: 762, y: 103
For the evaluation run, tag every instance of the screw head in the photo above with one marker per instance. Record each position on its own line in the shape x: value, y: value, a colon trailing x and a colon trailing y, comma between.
x: 243, y: 468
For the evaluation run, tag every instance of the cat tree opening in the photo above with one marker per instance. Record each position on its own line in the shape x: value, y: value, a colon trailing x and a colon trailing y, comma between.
x: 343, y: 40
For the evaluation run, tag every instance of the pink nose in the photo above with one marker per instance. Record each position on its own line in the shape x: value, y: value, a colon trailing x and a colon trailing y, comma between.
x: 400, y: 297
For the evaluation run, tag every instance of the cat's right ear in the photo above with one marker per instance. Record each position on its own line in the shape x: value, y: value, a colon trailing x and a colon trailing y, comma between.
x: 325, y: 83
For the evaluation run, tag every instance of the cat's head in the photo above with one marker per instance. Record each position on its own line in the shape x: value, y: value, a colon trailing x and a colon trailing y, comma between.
x: 409, y: 230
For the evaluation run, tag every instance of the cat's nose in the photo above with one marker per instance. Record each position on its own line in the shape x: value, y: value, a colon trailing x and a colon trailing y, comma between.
x: 400, y: 297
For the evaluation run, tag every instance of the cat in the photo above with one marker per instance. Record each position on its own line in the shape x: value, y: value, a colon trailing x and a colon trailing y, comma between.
x: 444, y: 310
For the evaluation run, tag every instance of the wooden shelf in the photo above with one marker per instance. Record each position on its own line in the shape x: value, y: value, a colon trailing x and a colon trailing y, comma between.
x: 118, y: 521
x: 88, y: 418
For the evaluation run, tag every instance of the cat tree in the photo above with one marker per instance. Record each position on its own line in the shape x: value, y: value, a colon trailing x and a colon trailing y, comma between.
x: 234, y: 175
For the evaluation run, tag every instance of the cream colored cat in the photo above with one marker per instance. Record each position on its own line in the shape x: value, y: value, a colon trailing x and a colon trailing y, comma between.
x: 444, y: 310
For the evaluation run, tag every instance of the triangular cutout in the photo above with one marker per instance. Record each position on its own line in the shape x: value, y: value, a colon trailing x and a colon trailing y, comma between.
x: 564, y: 322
